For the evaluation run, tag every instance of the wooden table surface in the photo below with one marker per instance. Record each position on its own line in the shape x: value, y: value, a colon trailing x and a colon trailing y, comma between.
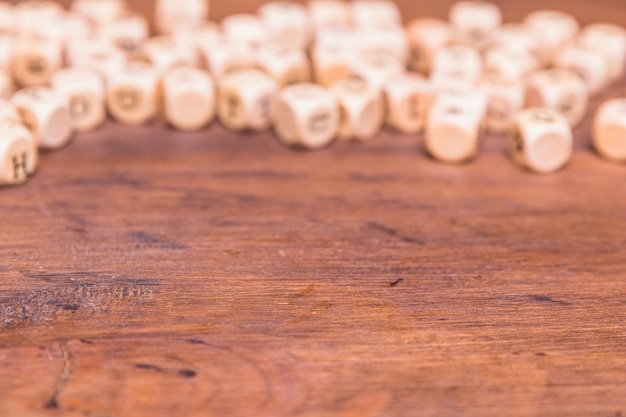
x: 147, y: 272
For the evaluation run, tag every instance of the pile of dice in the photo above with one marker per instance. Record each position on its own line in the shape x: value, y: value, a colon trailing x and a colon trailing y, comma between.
x: 316, y: 73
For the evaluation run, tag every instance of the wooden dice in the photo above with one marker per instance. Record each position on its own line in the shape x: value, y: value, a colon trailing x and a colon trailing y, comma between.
x: 132, y: 93
x: 426, y: 36
x: 610, y: 41
x: 510, y: 64
x: 331, y: 63
x: 165, y: 52
x: 188, y: 98
x: 505, y: 98
x: 96, y: 55
x: 541, y: 141
x: 409, y: 97
x: 554, y: 29
x: 475, y: 22
x: 84, y: 90
x: 285, y: 64
x: 609, y: 130
x: 228, y: 56
x: 377, y: 68
x: 18, y: 153
x: 247, y: 29
x: 456, y: 68
x: 127, y: 31
x: 34, y: 60
x: 306, y: 115
x: 454, y: 126
x: 171, y: 16
x: 560, y: 90
x: 375, y: 14
x: 46, y: 114
x: 288, y: 24
x: 245, y: 100
x: 591, y: 66
x: 361, y: 109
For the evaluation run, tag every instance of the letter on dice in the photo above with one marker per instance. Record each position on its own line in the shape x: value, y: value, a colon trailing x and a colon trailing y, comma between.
x: 541, y: 141
x: 18, y: 153
x: 609, y: 130
x: 132, y: 93
x: 85, y: 92
x: 454, y: 126
x: 306, y: 115
x: 189, y: 98
x: 34, y: 60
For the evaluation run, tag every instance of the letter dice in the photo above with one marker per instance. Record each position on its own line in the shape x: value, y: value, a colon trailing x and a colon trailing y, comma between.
x: 609, y: 130
x: 542, y: 140
x: 426, y: 36
x: 34, y: 60
x: 588, y: 64
x: 46, y: 114
x: 132, y: 93
x: 165, y: 52
x: 453, y: 131
x: 409, y: 97
x: 609, y: 40
x: 189, y: 98
x: 306, y: 115
x: 456, y: 68
x: 505, y: 98
x: 171, y: 16
x: 18, y: 153
x: 560, y: 90
x: 288, y: 24
x: 286, y: 65
x: 245, y: 100
x: 84, y: 90
x: 361, y: 108
x: 554, y: 29
x: 475, y: 21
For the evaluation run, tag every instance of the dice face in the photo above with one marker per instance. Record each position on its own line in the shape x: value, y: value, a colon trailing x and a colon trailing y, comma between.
x: 454, y: 126
x: 361, y: 109
x: 18, y: 153
x: 555, y: 29
x: 245, y: 100
x: 541, y: 141
x: 505, y: 99
x: 589, y: 65
x: 287, y: 23
x: 610, y: 41
x: 46, y: 114
x: 425, y: 37
x: 559, y: 90
x: 331, y: 63
x: 609, y: 130
x: 285, y: 65
x: 85, y: 92
x: 510, y: 65
x: 171, y: 16
x: 376, y: 68
x: 34, y: 61
x: 456, y: 68
x: 132, y: 94
x: 409, y: 97
x: 127, y: 32
x: 475, y: 21
x: 518, y: 39
x: 189, y: 98
x: 306, y: 115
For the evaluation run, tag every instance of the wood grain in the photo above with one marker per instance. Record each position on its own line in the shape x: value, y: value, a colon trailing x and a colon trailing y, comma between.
x: 147, y: 272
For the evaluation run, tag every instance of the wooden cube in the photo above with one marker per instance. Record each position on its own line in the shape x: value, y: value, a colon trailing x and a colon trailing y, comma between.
x: 85, y: 92
x: 456, y: 68
x: 361, y: 109
x: 518, y: 39
x: 171, y: 16
x: 560, y: 90
x: 475, y: 22
x: 377, y: 68
x: 609, y: 130
x: 554, y: 28
x: 591, y: 66
x: 426, y: 36
x: 373, y: 14
x: 609, y: 40
x: 34, y: 60
x: 510, y: 64
x: 505, y: 98
x: 286, y: 65
x: 306, y: 116
x: 127, y: 31
x: 33, y: 16
x: 331, y: 63
x: 287, y: 23
x: 247, y: 29
x: 453, y: 131
x: 96, y: 55
x: 389, y: 40
x: 228, y: 56
x: 132, y: 93
x: 18, y: 153
x: 165, y: 53
x: 46, y: 114
x: 189, y: 98
x: 409, y: 97
x: 200, y: 38
x: 245, y: 100
x: 542, y: 140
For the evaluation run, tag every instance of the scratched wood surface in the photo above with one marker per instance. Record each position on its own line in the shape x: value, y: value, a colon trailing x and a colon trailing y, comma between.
x: 146, y: 272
